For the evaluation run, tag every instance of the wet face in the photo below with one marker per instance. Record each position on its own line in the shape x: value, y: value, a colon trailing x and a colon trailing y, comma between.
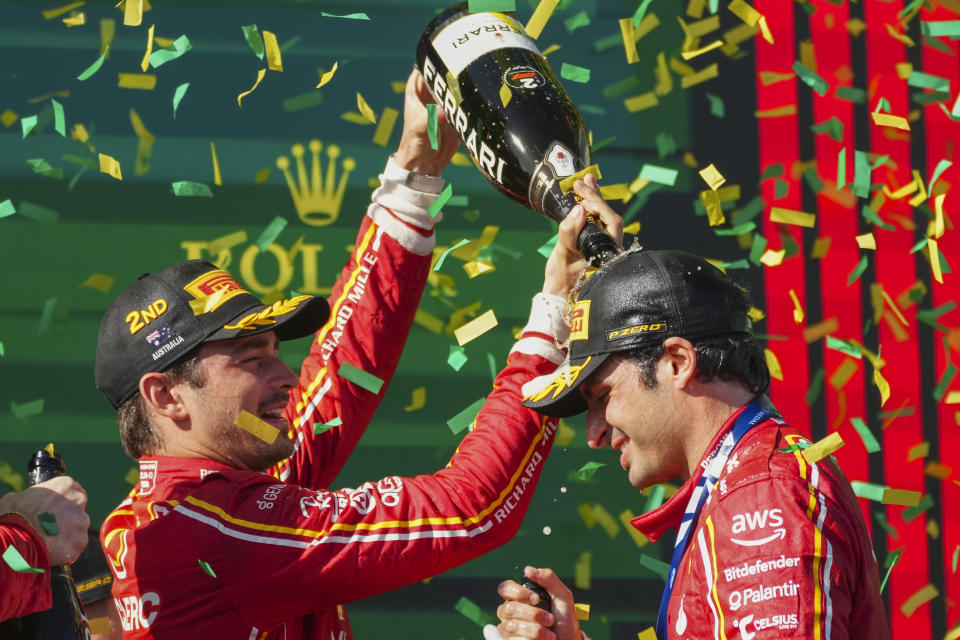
x: 635, y: 421
x: 242, y: 374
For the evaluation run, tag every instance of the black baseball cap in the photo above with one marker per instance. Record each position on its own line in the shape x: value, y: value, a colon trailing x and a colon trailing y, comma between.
x: 640, y: 297
x: 162, y: 316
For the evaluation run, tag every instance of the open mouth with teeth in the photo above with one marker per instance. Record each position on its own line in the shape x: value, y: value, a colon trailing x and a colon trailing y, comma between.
x: 274, y: 417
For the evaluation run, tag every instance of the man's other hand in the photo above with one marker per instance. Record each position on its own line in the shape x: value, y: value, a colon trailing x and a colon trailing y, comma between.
x: 66, y: 500
x: 415, y: 152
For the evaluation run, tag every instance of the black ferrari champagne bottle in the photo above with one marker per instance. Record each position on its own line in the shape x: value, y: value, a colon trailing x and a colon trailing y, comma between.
x: 512, y: 114
x: 65, y: 620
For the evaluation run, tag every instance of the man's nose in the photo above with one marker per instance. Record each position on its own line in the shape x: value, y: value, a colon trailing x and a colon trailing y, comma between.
x: 285, y: 377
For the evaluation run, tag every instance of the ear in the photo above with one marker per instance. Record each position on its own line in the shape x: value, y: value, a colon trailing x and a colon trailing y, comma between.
x: 162, y: 396
x: 680, y: 360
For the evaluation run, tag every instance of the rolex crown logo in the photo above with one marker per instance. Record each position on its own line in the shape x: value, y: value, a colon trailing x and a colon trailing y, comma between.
x: 317, y: 199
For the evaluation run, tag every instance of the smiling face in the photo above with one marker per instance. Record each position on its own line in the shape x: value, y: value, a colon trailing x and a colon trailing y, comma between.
x: 642, y: 424
x: 240, y: 374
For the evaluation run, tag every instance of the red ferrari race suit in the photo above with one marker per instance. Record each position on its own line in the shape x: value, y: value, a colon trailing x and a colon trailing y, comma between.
x: 23, y: 593
x: 780, y: 549
x: 201, y: 550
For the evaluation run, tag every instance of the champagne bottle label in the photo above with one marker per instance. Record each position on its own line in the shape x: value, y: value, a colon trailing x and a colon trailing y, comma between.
x: 477, y: 34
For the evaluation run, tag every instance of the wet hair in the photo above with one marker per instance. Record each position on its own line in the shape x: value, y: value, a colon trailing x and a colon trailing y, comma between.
x: 138, y: 436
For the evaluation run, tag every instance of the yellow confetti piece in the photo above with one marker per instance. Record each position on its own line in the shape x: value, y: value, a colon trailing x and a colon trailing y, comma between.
x: 76, y: 19
x: 475, y: 268
x: 798, y: 314
x: 132, y: 13
x: 365, y: 109
x: 615, y: 191
x: 476, y: 327
x: 904, y: 69
x: 108, y: 29
x: 703, y: 75
x: 226, y: 242
x: 641, y: 102
x: 567, y: 183
x: 139, y: 128
x: 756, y: 314
x: 817, y: 331
x: 820, y: 247
x: 765, y: 29
x: 894, y: 308
x: 99, y: 281
x: 418, y: 400
x: 164, y: 43
x: 921, y: 196
x: 937, y: 470
x: 745, y: 12
x: 935, y: 260
x: 953, y: 398
x: 822, y: 448
x: 882, y: 385
x: 257, y: 427
x: 687, y: 55
x: 505, y: 94
x: 777, y: 112
x: 145, y: 81
x: 938, y: 228
x: 902, y: 192
x: 429, y: 321
x: 789, y: 216
x: 587, y: 515
x: 217, y: 180
x: 146, y: 62
x: 582, y: 611
x: 680, y: 68
x: 388, y: 120
x: 920, y: 450
x: 638, y: 538
x: 647, y: 634
x: 633, y: 228
x: 327, y: 76
x: 99, y: 626
x: 272, y: 49
x: 664, y: 79
x: 629, y: 44
x: 901, y: 37
x: 539, y: 18
x: 648, y: 24
x: 768, y: 78
x: 712, y: 177
x: 773, y: 258
x: 8, y: 117
x: 711, y: 202
x: 773, y: 364
x: 354, y: 117
x: 260, y: 74
x: 701, y: 28
x: 887, y: 120
x: 581, y: 571
x: 207, y: 303
x: 461, y: 160
x: 903, y: 497
x: 110, y: 166
x: 867, y: 241
x: 605, y: 520
x: 50, y: 14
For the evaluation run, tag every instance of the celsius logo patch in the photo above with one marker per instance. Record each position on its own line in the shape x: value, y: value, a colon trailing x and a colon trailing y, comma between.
x: 524, y: 78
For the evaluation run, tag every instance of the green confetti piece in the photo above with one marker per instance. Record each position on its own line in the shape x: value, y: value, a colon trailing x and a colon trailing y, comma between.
x: 59, y: 122
x: 910, y: 513
x: 889, y: 562
x: 547, y: 247
x: 326, y: 426
x: 773, y: 171
x: 841, y: 168
x: 655, y: 499
x: 942, y: 166
x: 658, y: 567
x: 716, y: 106
x: 843, y: 346
x: 811, y: 79
x: 833, y: 126
x: 640, y: 12
x: 270, y: 234
x: 795, y: 447
x: 929, y: 97
x: 432, y: 125
x: 27, y: 409
x: 661, y: 175
x: 178, y: 94
x: 289, y: 44
x: 956, y: 555
x: 882, y: 105
x: 857, y: 271
x: 360, y: 377
x: 871, y: 216
x: 457, y: 358
x: 757, y: 249
x: 195, y: 189
x: 41, y: 166
x: 49, y: 523
x: 466, y: 417
x: 254, y: 39
x: 815, y: 388
x: 941, y: 28
x: 948, y: 375
x: 738, y: 230
x: 589, y: 108
x: 868, y: 490
x: 869, y: 441
x: 882, y: 519
x: 666, y: 145
x: 928, y: 81
x: 443, y: 256
x: 852, y: 94
x: 600, y: 145
x: 782, y: 188
x: 861, y: 175
x: 927, y: 316
x: 207, y: 569
x: 441, y: 200
x: 83, y: 162
x: 587, y: 471
x: 162, y: 56
x: 492, y: 363
x: 469, y: 609
x: 736, y: 264
x: 574, y: 73
x: 28, y: 124
x: 458, y: 201
x: 17, y: 562
x: 46, y: 316
x: 621, y: 87
x: 813, y: 180
x: 606, y: 42
x: 480, y: 6
x: 7, y: 208
x: 574, y: 22
x: 470, y: 215
x: 348, y: 16
x: 93, y: 68
x: 303, y: 101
